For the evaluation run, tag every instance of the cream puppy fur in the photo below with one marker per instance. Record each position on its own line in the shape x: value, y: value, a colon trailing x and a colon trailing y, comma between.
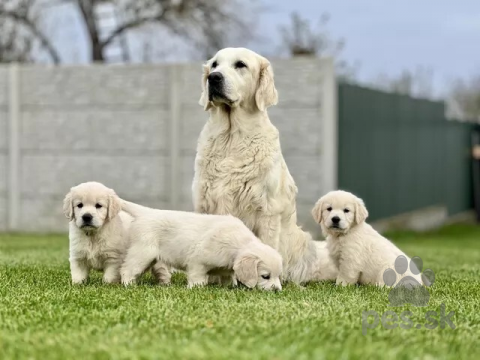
x: 360, y: 253
x: 97, y: 231
x: 239, y: 167
x: 202, y: 245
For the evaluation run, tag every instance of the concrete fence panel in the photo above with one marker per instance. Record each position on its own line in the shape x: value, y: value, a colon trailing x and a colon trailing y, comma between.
x: 135, y: 128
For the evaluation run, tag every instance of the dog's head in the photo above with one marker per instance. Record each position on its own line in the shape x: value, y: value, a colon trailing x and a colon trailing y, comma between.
x: 90, y: 205
x: 338, y: 211
x: 238, y: 77
x: 259, y: 265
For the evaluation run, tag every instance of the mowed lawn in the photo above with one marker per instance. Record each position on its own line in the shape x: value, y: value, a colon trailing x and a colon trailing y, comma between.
x: 42, y: 316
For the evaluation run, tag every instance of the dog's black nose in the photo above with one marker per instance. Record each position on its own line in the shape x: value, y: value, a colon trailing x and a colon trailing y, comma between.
x: 215, y: 78
x: 335, y: 219
x: 87, y: 218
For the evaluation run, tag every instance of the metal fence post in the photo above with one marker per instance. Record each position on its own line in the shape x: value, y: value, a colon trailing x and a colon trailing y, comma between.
x: 13, y: 148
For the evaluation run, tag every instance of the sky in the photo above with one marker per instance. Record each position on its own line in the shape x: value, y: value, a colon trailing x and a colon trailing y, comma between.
x: 387, y: 36
x: 382, y: 36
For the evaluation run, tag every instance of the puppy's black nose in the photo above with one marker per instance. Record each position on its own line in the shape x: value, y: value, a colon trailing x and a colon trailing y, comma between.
x: 215, y: 78
x: 87, y: 218
x: 335, y: 219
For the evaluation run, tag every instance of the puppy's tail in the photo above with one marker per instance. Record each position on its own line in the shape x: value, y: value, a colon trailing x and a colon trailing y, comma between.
x: 134, y: 209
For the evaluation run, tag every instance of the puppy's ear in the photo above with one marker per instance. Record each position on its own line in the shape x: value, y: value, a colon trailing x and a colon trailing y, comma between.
x: 361, y: 212
x: 245, y: 268
x: 266, y: 94
x: 204, y: 101
x: 68, y: 206
x: 114, y: 205
x: 317, y: 211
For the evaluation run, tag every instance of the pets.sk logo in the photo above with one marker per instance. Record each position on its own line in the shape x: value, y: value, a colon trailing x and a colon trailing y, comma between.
x: 408, y: 290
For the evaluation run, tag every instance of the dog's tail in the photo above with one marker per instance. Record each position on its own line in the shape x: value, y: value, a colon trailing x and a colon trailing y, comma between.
x: 134, y: 209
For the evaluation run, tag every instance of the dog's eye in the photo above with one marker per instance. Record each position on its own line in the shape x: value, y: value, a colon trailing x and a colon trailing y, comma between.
x: 266, y: 277
x: 346, y: 211
x: 240, y: 65
x: 214, y: 65
x: 329, y: 208
x: 98, y: 206
x: 80, y: 205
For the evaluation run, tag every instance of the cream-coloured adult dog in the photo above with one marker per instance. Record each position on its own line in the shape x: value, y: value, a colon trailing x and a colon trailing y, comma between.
x: 361, y: 254
x: 239, y: 167
x: 98, y: 233
x: 202, y: 245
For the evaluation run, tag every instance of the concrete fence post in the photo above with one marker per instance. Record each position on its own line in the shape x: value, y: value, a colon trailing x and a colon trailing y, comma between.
x: 13, y: 148
x: 175, y: 79
x: 329, y: 116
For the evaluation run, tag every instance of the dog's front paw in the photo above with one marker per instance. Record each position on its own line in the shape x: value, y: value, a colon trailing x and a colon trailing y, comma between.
x: 78, y: 280
x: 127, y: 279
x: 192, y: 285
x: 343, y: 282
x: 111, y: 279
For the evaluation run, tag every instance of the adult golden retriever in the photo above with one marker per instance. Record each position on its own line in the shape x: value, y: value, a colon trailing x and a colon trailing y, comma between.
x: 239, y: 167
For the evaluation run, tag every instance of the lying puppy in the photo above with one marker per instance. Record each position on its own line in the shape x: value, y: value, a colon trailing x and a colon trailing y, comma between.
x: 98, y: 233
x: 202, y: 245
x: 361, y: 254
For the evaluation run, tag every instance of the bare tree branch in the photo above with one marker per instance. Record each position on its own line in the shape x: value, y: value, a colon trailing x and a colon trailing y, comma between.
x: 20, y: 15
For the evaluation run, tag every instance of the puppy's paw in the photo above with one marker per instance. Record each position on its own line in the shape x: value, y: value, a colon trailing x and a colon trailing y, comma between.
x: 126, y: 281
x: 78, y: 280
x: 192, y: 285
x: 343, y: 282
x: 111, y: 279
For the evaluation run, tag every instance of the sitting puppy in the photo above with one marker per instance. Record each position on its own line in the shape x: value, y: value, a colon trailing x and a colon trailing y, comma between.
x: 200, y: 244
x: 360, y: 253
x: 98, y: 233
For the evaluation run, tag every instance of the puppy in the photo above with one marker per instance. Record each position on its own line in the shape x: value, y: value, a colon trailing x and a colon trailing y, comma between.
x: 360, y: 253
x: 98, y: 233
x: 202, y: 245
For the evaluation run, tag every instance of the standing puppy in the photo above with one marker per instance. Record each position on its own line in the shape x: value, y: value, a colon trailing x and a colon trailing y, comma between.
x: 361, y: 254
x: 97, y: 232
x: 202, y: 245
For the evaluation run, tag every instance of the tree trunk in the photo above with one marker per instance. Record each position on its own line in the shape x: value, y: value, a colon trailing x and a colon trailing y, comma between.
x: 97, y: 51
x: 87, y: 11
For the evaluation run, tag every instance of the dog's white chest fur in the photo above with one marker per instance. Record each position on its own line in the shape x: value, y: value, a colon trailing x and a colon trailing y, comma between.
x: 232, y: 171
x: 94, y: 249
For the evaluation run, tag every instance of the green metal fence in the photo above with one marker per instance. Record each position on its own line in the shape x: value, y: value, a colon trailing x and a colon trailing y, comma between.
x: 401, y: 154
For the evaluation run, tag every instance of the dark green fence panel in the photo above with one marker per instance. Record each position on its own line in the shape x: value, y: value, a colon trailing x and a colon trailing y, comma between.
x: 400, y: 154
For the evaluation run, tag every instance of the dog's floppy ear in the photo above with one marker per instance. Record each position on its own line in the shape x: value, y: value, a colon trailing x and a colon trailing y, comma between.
x: 266, y: 94
x: 114, y: 205
x: 68, y: 206
x: 317, y: 211
x: 361, y: 212
x: 204, y: 101
x: 245, y: 268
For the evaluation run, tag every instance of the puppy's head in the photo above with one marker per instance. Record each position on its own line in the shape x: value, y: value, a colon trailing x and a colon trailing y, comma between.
x: 259, y: 265
x: 238, y: 77
x: 90, y: 205
x: 338, y: 211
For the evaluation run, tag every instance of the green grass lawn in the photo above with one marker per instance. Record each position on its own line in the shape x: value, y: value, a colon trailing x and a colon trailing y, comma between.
x: 42, y: 316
